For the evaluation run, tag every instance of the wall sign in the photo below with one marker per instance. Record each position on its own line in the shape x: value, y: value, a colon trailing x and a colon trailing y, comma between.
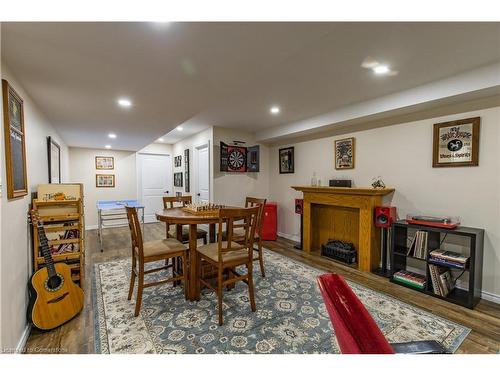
x: 15, y: 147
x: 456, y: 143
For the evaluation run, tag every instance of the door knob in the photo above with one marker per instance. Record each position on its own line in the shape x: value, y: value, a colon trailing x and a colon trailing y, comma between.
x: 198, y: 194
x: 166, y: 192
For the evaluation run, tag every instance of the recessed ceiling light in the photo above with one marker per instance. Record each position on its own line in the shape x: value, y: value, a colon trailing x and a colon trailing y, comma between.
x: 108, y: 146
x: 275, y: 110
x: 124, y: 102
x: 381, y: 69
x: 112, y: 135
x: 180, y: 128
x: 161, y: 140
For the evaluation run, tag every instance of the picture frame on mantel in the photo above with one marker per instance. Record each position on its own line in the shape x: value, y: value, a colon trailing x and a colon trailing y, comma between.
x: 345, y: 153
x: 287, y: 160
x: 15, y: 145
x: 54, y: 159
x: 456, y: 143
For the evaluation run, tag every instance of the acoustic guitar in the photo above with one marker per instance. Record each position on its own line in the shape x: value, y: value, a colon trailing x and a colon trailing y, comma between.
x: 54, y: 298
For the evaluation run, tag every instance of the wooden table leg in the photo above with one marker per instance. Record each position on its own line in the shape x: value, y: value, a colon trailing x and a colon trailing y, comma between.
x: 193, y: 290
x: 211, y: 233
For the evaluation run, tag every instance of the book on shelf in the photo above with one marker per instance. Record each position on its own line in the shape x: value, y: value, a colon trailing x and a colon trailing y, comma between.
x: 449, y: 256
x: 410, y: 278
x: 418, y: 246
x: 442, y: 281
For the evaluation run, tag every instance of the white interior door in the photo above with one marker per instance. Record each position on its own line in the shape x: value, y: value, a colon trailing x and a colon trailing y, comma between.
x: 155, y: 181
x: 202, y: 173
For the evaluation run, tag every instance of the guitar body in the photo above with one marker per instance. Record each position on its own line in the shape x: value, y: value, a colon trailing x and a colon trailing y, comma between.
x: 53, y: 300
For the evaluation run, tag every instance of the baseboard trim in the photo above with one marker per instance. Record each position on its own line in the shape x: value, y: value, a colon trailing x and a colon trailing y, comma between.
x: 290, y: 237
x: 21, y: 345
x: 490, y: 297
x: 90, y: 227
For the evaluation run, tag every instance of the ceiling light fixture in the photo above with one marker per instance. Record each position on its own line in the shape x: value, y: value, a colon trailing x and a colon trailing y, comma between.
x: 112, y: 135
x: 180, y: 128
x: 161, y: 140
x: 275, y: 110
x: 381, y: 69
x: 108, y: 146
x: 124, y: 102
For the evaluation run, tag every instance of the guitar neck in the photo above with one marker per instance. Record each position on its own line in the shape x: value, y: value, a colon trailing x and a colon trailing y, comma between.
x: 44, y: 247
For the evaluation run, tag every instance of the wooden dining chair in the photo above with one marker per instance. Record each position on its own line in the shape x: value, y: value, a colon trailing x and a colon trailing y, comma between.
x: 152, y: 251
x: 239, y: 232
x: 225, y: 256
x: 182, y: 201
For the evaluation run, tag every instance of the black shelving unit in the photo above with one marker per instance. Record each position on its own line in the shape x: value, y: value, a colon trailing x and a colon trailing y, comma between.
x: 435, y: 238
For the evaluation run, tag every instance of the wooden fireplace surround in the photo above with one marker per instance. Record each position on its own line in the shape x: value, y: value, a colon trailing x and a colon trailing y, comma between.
x: 343, y: 214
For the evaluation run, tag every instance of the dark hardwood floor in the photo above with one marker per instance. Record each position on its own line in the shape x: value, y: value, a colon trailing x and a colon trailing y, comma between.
x: 77, y: 335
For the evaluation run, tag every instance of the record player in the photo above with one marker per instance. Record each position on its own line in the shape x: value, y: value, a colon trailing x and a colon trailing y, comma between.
x: 433, y: 221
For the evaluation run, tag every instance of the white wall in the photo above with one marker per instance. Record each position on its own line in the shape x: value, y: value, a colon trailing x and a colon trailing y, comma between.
x: 82, y: 169
x: 232, y: 188
x: 16, y: 259
x: 402, y: 155
x: 198, y: 139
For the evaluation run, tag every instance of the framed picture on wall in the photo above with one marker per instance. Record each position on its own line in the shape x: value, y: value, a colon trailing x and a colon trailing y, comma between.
x: 286, y: 160
x: 15, y: 147
x: 178, y: 161
x: 104, y: 162
x: 105, y: 180
x: 253, y: 156
x: 344, y: 153
x: 186, y: 170
x: 54, y: 158
x: 456, y: 143
x: 178, y: 179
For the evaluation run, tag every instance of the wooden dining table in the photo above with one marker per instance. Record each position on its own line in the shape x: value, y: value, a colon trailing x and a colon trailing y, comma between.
x: 179, y: 217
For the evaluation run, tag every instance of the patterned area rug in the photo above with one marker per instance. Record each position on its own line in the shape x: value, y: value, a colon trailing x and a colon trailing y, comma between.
x: 290, y: 316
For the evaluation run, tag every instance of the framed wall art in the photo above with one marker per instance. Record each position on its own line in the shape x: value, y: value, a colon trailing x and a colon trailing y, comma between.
x: 178, y: 179
x: 104, y: 162
x: 177, y: 161
x: 105, y: 180
x: 186, y: 170
x: 286, y: 160
x: 15, y: 147
x: 54, y: 159
x: 344, y: 153
x: 456, y: 143
x: 253, y: 156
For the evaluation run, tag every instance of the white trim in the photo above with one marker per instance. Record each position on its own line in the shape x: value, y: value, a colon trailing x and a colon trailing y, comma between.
x: 90, y: 227
x: 490, y: 297
x: 21, y: 345
x: 291, y: 237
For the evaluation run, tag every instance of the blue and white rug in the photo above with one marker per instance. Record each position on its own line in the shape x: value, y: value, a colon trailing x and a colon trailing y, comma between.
x: 290, y: 317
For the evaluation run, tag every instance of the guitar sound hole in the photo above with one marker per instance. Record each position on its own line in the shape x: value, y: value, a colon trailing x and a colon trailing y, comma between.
x: 54, y: 282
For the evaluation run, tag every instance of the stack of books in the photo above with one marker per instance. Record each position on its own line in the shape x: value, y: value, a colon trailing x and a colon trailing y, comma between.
x: 448, y: 259
x: 410, y: 278
x: 442, y: 282
x: 418, y: 246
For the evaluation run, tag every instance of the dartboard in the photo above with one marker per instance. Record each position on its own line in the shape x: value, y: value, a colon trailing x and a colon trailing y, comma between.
x: 236, y: 159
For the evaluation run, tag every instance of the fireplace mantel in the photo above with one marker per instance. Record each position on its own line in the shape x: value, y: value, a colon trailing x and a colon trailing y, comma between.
x: 345, y: 214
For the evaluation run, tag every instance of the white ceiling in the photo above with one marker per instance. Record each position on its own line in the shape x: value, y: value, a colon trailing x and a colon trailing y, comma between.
x: 224, y: 74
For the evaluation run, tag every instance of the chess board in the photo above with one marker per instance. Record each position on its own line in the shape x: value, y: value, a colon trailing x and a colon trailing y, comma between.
x: 203, y: 209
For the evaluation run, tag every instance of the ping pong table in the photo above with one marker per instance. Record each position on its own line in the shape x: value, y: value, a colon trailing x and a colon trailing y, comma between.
x: 113, y: 214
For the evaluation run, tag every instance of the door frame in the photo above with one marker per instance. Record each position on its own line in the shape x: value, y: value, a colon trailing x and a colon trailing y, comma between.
x: 196, y: 149
x: 138, y: 167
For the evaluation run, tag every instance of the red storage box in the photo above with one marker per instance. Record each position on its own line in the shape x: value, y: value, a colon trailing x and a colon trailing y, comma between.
x: 270, y: 222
